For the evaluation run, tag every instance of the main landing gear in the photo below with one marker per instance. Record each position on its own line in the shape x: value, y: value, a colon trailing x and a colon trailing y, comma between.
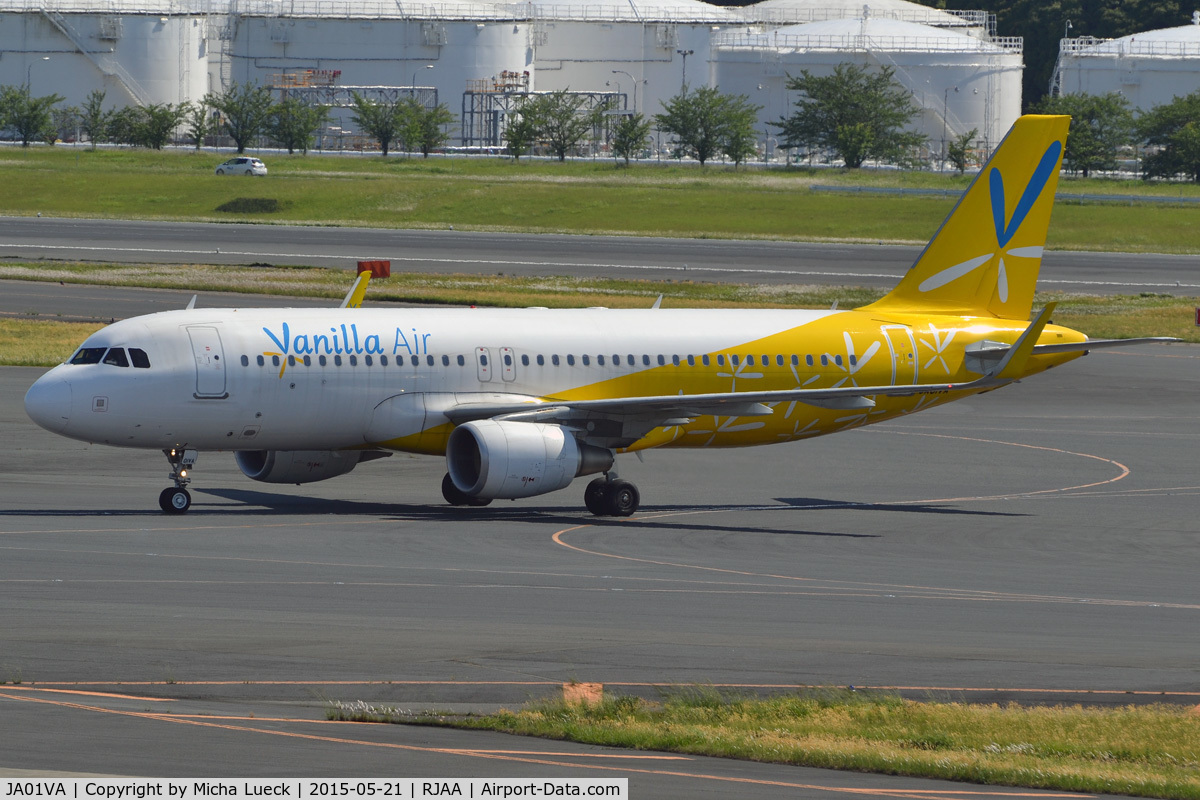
x: 177, y: 499
x: 610, y: 497
x: 456, y: 497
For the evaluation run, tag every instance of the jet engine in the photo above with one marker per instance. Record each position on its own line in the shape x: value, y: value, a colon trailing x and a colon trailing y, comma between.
x: 296, y: 466
x: 494, y: 459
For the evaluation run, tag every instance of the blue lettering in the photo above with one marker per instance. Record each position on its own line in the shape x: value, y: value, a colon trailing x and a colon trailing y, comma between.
x: 283, y: 346
x: 371, y: 343
x: 321, y: 343
x: 401, y: 341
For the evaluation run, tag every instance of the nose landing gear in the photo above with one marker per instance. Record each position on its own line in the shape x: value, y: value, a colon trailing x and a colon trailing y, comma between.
x: 177, y: 499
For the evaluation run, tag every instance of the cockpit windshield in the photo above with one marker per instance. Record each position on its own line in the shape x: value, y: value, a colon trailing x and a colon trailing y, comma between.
x: 88, y: 355
x: 114, y: 356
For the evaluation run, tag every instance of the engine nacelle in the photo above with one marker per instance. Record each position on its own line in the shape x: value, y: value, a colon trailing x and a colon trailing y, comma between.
x: 296, y: 466
x: 494, y: 459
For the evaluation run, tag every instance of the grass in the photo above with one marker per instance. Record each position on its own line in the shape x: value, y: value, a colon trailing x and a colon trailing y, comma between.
x: 1147, y: 751
x: 34, y: 342
x: 581, y: 197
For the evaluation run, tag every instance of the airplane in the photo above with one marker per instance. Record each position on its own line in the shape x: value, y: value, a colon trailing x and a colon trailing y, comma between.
x: 520, y: 402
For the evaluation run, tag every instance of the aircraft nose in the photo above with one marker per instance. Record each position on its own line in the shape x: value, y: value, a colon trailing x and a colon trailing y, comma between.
x: 48, y: 403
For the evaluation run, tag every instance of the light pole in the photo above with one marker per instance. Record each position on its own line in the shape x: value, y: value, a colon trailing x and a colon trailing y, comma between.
x: 683, y: 83
x: 414, y: 79
x: 29, y: 75
x: 945, y: 123
x: 635, y: 85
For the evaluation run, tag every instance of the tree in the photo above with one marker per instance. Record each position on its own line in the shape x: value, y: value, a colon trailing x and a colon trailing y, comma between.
x: 521, y: 133
x: 959, y: 150
x: 432, y: 130
x: 198, y: 123
x: 705, y: 123
x: 245, y: 111
x: 1172, y: 131
x: 629, y: 136
x: 65, y: 122
x: 1100, y: 126
x: 293, y: 123
x: 561, y: 120
x: 122, y: 125
x: 29, y: 116
x: 93, y: 118
x: 855, y: 112
x: 380, y: 121
x: 154, y: 124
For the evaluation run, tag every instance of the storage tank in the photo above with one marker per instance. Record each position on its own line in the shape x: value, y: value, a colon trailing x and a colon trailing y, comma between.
x: 368, y: 43
x: 1149, y: 69
x: 959, y: 81
x: 798, y: 12
x: 138, y: 53
x: 654, y: 45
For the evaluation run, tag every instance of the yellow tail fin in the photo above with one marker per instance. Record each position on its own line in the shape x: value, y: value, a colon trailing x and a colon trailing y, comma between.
x: 985, y: 258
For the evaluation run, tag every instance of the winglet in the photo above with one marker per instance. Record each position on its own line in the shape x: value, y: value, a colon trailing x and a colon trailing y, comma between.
x: 1012, y: 365
x: 354, y: 297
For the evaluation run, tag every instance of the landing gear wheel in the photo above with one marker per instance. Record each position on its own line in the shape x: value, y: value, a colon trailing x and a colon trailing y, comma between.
x: 174, y: 500
x: 456, y: 497
x: 594, y: 497
x: 622, y: 499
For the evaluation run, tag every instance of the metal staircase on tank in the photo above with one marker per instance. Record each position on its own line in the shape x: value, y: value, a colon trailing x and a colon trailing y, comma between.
x: 105, y: 62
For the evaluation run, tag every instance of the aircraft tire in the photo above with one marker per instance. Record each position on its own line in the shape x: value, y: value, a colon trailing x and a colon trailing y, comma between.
x: 622, y: 499
x: 454, y: 496
x: 595, y: 495
x: 174, y: 500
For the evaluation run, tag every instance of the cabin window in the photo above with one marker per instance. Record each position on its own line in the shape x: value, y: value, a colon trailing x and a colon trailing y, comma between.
x: 366, y: 360
x: 825, y: 361
x: 808, y: 360
x: 720, y: 361
x: 766, y: 360
x: 795, y: 360
x: 462, y: 362
x: 245, y: 361
x: 139, y: 358
x: 483, y: 359
x: 275, y: 361
x: 749, y: 361
x: 645, y: 360
x: 383, y: 361
x: 587, y: 361
x: 554, y: 359
x: 524, y: 360
x: 88, y: 355
x: 116, y: 357
x: 354, y: 361
x: 291, y: 361
x: 337, y: 361
x: 779, y: 360
x: 507, y: 360
x: 570, y: 360
x: 445, y: 361
x: 261, y: 361
x: 429, y: 361
x: 541, y: 360
x: 322, y: 360
x: 853, y: 360
x: 661, y: 359
x: 704, y: 359
x: 632, y: 362
x: 308, y: 361
x: 600, y: 361
x: 733, y: 360
x: 837, y: 360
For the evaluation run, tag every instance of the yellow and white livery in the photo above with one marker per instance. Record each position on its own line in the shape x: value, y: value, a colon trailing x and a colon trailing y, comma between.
x: 523, y: 401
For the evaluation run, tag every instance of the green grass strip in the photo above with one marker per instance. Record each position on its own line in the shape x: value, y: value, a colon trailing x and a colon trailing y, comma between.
x: 538, y: 196
x: 1146, y: 751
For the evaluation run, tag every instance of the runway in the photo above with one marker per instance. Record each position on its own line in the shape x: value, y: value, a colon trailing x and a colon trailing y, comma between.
x: 1036, y: 543
x: 651, y: 258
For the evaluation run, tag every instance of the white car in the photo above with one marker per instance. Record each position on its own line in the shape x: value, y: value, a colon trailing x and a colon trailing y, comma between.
x: 242, y: 165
